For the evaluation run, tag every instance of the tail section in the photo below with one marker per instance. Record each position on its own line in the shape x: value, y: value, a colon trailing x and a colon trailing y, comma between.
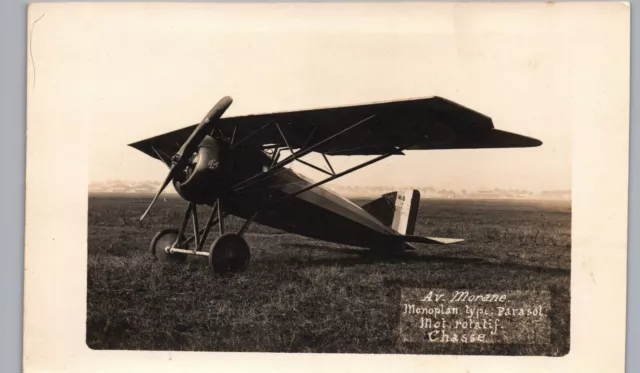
x: 398, y: 210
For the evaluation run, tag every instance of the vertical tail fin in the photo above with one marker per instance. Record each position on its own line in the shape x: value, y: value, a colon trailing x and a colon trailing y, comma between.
x: 406, y: 212
x: 398, y: 210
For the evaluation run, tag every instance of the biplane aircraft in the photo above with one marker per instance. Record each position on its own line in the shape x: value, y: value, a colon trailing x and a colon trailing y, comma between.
x: 235, y: 166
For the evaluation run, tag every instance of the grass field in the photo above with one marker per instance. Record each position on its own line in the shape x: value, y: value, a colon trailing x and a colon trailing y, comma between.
x: 303, y: 295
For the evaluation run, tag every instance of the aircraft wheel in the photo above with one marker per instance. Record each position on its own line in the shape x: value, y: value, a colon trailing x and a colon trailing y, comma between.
x: 166, y: 238
x: 229, y: 253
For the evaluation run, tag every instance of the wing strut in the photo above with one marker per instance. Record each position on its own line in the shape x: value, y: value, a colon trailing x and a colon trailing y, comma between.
x: 295, y: 156
x: 315, y: 167
x: 328, y: 163
x: 352, y: 169
x: 288, y: 147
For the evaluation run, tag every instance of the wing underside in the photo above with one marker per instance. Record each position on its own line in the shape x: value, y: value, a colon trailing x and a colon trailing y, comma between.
x: 372, y: 129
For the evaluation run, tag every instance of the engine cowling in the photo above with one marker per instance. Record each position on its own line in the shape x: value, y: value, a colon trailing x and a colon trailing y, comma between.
x: 201, y: 181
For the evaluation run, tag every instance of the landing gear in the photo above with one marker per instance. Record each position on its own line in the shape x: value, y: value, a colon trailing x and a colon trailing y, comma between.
x: 229, y: 253
x: 163, y: 241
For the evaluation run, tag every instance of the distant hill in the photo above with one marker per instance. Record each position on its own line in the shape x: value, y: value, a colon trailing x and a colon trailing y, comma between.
x: 430, y: 192
x: 119, y: 186
x: 150, y: 187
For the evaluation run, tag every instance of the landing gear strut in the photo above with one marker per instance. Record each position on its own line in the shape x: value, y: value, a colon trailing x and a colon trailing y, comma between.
x: 228, y: 254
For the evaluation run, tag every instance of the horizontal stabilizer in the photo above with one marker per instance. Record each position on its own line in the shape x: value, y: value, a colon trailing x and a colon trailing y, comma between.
x: 432, y: 240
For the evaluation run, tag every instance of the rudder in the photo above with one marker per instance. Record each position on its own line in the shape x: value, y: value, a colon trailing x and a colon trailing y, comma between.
x: 406, y: 212
x: 399, y: 211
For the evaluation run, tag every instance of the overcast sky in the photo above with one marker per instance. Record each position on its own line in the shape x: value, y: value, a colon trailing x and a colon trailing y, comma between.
x: 144, y: 72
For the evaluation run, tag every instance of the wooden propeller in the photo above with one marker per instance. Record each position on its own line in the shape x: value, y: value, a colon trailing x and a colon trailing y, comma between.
x: 181, y: 158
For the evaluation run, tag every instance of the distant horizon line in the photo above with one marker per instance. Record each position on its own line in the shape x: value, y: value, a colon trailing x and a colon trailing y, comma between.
x: 152, y: 183
x: 474, y: 197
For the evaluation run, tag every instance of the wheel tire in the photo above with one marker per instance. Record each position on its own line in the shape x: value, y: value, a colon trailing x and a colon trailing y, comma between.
x: 164, y: 238
x: 229, y: 254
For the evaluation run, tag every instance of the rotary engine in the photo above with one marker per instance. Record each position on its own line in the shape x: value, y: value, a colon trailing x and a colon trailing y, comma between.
x: 201, y: 180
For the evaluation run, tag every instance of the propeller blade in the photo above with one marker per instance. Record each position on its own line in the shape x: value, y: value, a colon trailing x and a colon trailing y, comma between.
x: 191, y: 145
x: 207, y: 125
x: 164, y: 185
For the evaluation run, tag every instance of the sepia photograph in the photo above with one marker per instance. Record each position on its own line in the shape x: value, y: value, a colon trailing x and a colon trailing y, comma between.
x: 322, y: 179
x: 322, y: 222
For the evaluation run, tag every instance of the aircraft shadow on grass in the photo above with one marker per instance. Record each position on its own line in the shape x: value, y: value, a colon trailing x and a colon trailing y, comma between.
x: 364, y: 256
